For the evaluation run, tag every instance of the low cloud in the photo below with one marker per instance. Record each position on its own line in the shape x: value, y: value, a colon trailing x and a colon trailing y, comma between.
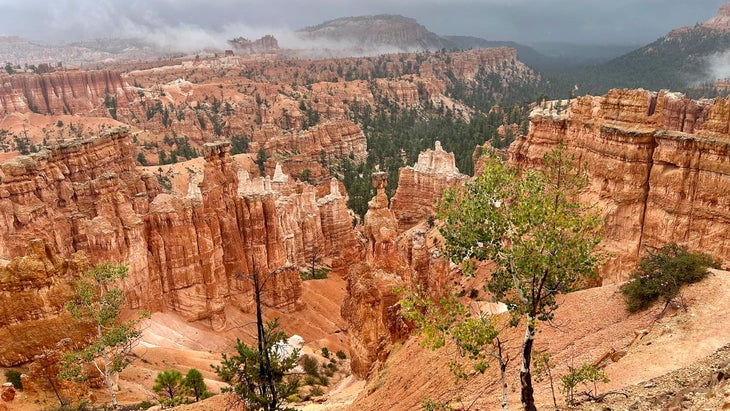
x: 719, y: 66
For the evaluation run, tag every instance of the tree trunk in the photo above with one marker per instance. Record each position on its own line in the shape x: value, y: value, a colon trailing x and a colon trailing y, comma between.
x: 526, y: 394
x: 505, y: 391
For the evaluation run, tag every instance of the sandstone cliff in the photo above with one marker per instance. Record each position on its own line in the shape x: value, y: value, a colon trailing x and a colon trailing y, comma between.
x: 721, y: 22
x: 33, y: 291
x: 421, y: 185
x: 395, y: 260
x: 62, y: 92
x: 658, y: 168
x: 192, y: 254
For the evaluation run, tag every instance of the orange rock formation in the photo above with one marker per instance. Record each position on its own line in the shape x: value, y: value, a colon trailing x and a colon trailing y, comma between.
x: 421, y: 185
x: 191, y: 254
x: 62, y: 92
x: 658, y: 165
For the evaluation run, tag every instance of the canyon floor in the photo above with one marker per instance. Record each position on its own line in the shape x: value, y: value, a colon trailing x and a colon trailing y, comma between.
x: 670, y: 361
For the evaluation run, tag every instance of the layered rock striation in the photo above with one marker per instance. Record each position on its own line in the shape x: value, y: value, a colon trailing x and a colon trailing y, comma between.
x: 33, y: 291
x: 63, y: 92
x: 191, y: 254
x: 421, y: 185
x: 658, y: 164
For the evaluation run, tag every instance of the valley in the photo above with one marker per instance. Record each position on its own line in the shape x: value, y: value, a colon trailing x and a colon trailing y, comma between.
x: 319, y: 170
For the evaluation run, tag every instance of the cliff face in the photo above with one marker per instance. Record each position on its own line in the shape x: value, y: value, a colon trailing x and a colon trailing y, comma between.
x: 421, y: 185
x: 193, y: 255
x: 721, y: 22
x: 395, y: 260
x: 658, y: 168
x: 62, y: 92
x: 33, y: 291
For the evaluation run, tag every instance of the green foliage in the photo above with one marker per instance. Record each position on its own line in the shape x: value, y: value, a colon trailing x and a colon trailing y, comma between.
x: 99, y: 300
x: 195, y: 383
x: 310, y: 366
x: 662, y: 273
x: 397, y: 135
x: 239, y: 144
x: 542, y: 241
x: 584, y: 374
x: 306, y: 175
x: 261, y: 158
x: 319, y: 273
x: 245, y: 375
x: 141, y: 159
x: 340, y: 354
x: 169, y: 386
x: 9, y: 68
x: 527, y: 222
x: 432, y: 405
x: 448, y: 319
x: 325, y: 352
x: 110, y: 102
x: 13, y: 376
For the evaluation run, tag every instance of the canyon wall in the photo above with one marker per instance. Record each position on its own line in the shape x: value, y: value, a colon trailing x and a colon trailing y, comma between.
x: 62, y: 92
x: 402, y: 253
x: 658, y: 166
x: 421, y: 185
x: 193, y: 254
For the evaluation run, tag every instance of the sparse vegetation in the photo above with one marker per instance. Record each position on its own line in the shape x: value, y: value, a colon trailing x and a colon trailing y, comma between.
x: 13, y: 376
x: 99, y: 300
x: 662, y: 273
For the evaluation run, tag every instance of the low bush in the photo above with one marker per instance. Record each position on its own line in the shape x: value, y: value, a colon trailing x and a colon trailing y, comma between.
x: 662, y: 273
x: 13, y: 376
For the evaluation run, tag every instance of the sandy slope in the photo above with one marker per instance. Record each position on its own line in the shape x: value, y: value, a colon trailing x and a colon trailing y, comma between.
x: 591, y: 323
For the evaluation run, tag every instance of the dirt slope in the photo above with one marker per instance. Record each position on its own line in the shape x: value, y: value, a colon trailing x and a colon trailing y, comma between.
x: 590, y: 323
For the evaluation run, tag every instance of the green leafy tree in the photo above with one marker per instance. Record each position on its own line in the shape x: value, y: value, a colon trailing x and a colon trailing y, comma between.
x: 195, y: 383
x: 528, y: 223
x: 13, y: 376
x: 258, y: 375
x: 584, y: 374
x: 258, y: 385
x: 99, y: 301
x: 661, y: 274
x: 169, y: 385
x: 475, y: 334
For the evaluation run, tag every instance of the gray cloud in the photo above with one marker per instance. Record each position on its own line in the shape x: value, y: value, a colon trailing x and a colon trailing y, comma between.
x: 209, y: 22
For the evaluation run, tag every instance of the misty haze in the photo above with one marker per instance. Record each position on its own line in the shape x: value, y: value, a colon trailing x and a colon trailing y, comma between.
x: 384, y: 205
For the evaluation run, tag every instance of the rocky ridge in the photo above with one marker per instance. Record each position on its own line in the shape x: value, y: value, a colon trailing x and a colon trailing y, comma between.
x: 62, y: 92
x: 657, y: 163
x: 398, y: 32
x: 191, y: 255
x: 421, y: 185
x: 720, y: 22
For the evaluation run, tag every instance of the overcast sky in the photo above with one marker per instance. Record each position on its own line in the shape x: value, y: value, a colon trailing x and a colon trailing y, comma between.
x: 578, y: 21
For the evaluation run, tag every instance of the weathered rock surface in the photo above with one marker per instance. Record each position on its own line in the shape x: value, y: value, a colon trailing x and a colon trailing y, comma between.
x: 721, y: 22
x: 265, y: 44
x: 193, y: 254
x: 33, y: 291
x: 659, y: 168
x: 392, y: 261
x: 62, y: 92
x: 421, y: 185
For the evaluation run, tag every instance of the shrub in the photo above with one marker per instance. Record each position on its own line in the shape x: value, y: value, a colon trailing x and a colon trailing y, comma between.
x: 661, y: 274
x: 310, y: 366
x: 585, y: 374
x: 340, y: 354
x: 310, y: 380
x: 325, y: 352
x: 13, y: 376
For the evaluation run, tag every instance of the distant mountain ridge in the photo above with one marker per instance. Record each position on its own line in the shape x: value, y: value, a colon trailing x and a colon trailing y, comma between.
x: 382, y: 30
x: 685, y: 57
